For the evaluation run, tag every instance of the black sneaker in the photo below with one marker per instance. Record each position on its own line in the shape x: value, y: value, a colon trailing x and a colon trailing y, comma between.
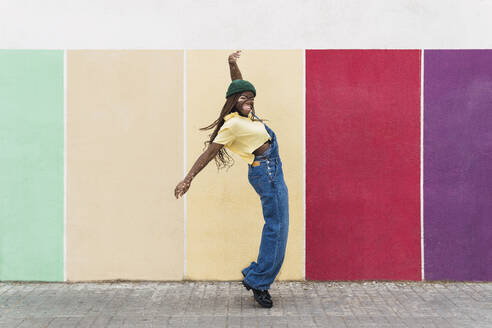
x: 261, y: 296
x: 267, y: 293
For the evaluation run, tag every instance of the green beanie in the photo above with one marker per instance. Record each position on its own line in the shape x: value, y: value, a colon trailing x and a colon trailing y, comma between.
x: 240, y: 86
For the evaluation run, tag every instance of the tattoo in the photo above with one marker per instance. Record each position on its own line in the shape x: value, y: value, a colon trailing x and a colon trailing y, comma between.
x: 235, y: 72
x: 200, y: 163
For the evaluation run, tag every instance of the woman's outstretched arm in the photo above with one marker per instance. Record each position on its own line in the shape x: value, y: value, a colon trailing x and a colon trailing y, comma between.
x: 200, y: 163
x: 235, y: 72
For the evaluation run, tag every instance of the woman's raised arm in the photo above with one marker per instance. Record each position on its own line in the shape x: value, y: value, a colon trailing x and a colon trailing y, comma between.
x: 235, y: 72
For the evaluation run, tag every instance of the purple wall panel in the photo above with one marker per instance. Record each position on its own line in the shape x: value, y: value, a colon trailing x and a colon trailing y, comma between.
x: 458, y: 164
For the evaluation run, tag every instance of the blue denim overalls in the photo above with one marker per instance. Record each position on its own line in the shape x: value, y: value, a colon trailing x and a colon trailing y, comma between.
x: 268, y: 181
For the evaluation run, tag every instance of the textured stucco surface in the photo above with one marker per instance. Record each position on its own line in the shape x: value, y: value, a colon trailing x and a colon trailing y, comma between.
x: 124, y: 158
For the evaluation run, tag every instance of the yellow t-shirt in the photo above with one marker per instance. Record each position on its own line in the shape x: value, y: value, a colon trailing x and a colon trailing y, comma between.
x: 242, y: 135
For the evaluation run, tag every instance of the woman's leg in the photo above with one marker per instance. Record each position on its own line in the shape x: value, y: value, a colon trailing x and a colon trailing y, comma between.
x: 275, y: 206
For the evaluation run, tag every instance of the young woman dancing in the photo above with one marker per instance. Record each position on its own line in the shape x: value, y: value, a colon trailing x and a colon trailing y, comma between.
x: 241, y: 131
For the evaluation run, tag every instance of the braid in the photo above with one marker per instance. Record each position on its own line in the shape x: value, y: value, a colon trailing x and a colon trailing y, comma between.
x: 223, y: 159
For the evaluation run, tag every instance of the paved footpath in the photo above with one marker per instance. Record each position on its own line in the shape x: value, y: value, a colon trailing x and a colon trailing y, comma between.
x: 229, y: 304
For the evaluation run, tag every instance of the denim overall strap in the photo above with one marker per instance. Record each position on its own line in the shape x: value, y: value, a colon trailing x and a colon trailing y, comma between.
x: 272, y: 151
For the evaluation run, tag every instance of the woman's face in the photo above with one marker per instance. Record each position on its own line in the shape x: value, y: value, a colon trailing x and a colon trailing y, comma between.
x: 245, y: 103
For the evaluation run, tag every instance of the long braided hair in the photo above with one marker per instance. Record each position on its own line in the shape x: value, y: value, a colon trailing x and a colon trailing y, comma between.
x: 223, y: 159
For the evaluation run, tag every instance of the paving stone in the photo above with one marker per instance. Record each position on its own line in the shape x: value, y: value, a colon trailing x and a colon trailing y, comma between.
x: 227, y: 304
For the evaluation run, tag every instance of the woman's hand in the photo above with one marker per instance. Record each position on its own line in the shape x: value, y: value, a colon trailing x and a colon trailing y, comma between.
x: 235, y: 72
x: 234, y: 56
x: 182, y: 188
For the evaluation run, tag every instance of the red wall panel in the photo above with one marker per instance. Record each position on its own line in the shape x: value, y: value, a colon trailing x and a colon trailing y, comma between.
x: 363, y: 165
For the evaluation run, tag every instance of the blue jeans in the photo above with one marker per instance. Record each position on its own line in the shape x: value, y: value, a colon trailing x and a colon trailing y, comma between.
x: 268, y: 181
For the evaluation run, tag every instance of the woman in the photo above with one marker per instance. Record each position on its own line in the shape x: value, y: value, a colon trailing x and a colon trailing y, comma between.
x: 239, y: 130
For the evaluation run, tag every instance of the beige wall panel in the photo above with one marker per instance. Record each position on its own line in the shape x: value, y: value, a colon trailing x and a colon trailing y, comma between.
x: 124, y: 158
x: 224, y: 215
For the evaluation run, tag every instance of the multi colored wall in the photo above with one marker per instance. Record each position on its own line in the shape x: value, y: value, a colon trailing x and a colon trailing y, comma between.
x: 386, y: 154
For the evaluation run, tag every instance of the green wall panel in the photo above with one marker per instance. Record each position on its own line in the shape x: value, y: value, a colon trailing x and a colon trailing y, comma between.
x: 31, y: 165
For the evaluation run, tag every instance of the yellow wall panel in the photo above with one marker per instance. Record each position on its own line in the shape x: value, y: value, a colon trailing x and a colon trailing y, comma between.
x: 224, y: 215
x: 124, y: 158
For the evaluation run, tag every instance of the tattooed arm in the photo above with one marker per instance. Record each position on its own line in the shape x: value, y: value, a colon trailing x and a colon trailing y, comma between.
x: 200, y: 163
x: 213, y: 147
x: 235, y: 72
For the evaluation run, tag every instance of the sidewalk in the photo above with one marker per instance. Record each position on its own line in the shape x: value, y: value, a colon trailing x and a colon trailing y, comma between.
x: 228, y: 304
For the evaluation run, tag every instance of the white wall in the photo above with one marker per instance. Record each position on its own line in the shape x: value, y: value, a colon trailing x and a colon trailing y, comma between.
x: 252, y: 24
